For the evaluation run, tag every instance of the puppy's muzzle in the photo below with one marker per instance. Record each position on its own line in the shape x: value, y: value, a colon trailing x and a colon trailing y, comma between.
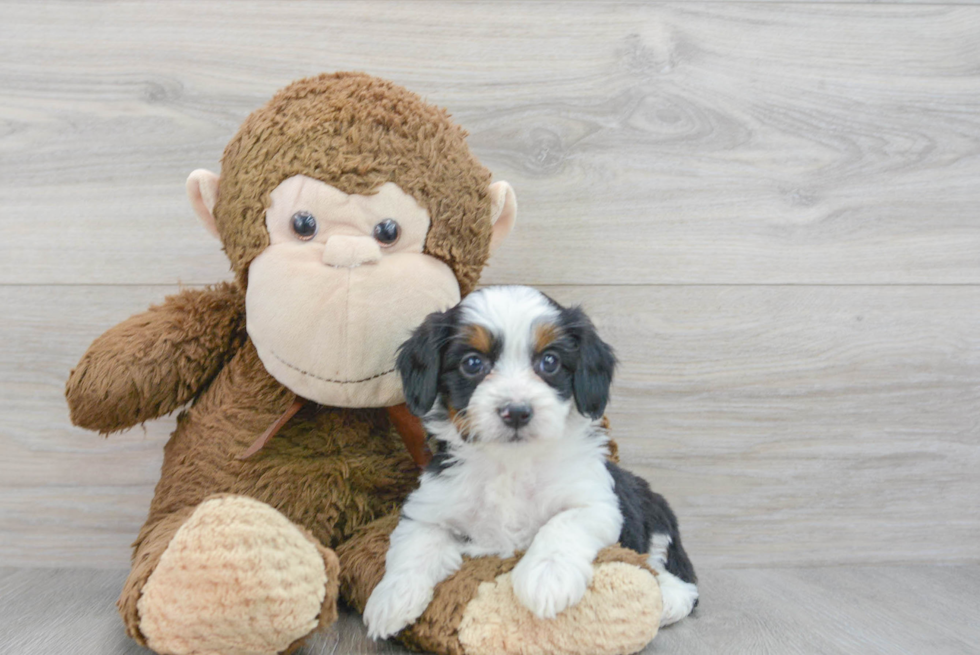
x: 515, y: 415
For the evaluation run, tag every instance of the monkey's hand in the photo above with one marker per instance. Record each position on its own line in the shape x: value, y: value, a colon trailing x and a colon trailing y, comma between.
x: 154, y: 362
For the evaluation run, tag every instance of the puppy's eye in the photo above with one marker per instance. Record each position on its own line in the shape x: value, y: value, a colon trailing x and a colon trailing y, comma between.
x: 387, y: 232
x: 549, y: 364
x: 304, y: 225
x: 472, y: 366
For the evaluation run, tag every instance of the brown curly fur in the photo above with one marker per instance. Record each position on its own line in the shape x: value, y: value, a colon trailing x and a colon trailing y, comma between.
x: 357, y: 132
x: 329, y: 470
x: 154, y: 362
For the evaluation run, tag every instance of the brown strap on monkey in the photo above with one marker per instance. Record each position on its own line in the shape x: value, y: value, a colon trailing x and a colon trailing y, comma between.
x: 412, y: 433
x: 407, y: 425
x: 273, y: 429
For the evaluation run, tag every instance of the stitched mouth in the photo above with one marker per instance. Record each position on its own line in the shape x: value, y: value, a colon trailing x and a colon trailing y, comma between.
x: 332, y: 381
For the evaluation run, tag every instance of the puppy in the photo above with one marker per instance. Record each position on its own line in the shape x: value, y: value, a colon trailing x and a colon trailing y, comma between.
x: 512, y: 386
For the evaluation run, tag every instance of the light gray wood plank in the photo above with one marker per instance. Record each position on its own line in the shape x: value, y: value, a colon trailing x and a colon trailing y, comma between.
x: 789, y: 425
x: 63, y: 611
x: 45, y: 331
x: 831, y: 610
x: 648, y: 143
x: 67, y: 496
x: 66, y: 524
x: 802, y: 424
x: 821, y: 611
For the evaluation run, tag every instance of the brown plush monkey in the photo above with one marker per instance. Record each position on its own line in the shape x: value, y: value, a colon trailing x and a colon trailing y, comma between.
x: 349, y: 210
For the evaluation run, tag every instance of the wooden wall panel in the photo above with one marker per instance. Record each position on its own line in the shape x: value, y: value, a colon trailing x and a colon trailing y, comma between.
x: 648, y: 142
x: 802, y: 424
x: 790, y: 425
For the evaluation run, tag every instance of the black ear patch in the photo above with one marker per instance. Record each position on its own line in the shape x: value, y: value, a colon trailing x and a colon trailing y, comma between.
x: 596, y: 364
x: 419, y: 360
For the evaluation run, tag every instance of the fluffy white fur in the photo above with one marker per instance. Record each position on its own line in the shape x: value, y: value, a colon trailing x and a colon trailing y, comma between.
x: 678, y: 596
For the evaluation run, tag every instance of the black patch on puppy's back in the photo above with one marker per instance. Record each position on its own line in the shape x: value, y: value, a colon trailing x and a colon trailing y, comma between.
x: 645, y: 514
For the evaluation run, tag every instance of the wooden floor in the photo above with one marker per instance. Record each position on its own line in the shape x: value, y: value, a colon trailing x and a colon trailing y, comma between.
x: 844, y: 610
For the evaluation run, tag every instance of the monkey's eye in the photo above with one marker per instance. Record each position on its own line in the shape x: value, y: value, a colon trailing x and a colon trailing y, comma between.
x: 387, y: 231
x: 549, y: 363
x: 472, y: 366
x: 304, y: 225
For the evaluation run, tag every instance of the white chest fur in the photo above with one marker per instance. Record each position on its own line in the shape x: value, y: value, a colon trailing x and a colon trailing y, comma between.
x: 496, y: 497
x: 552, y: 499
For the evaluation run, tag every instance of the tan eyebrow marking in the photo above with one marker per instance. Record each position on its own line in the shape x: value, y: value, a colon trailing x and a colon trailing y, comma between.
x: 480, y: 338
x: 545, y: 334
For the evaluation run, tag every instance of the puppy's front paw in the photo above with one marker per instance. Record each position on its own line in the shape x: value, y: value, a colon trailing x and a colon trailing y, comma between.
x: 394, y: 604
x: 548, y: 585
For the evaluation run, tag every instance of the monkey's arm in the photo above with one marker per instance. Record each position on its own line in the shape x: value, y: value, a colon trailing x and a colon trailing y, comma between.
x: 154, y: 362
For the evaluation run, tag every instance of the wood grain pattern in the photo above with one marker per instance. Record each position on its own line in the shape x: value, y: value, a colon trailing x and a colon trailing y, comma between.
x: 812, y: 611
x: 789, y: 425
x: 657, y: 143
x: 802, y: 424
x: 769, y: 208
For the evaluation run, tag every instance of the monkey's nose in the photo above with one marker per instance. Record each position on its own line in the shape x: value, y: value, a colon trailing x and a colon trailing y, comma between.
x: 345, y: 251
x: 515, y: 415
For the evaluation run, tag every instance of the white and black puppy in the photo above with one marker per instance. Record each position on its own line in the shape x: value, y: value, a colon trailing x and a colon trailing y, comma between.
x: 512, y: 386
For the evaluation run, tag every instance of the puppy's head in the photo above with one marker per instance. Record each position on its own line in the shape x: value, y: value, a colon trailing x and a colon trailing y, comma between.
x: 506, y: 364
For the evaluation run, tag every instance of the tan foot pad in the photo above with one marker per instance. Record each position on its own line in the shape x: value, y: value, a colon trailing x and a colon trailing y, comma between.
x: 237, y: 579
x: 619, y: 614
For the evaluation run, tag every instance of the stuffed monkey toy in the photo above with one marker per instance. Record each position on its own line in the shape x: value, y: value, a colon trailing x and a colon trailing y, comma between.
x: 349, y: 210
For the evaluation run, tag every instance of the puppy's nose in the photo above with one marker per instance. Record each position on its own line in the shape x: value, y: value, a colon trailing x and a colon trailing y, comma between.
x: 515, y: 415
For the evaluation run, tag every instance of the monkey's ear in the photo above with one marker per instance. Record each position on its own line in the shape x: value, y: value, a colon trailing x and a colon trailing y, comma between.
x: 503, y: 212
x: 202, y: 189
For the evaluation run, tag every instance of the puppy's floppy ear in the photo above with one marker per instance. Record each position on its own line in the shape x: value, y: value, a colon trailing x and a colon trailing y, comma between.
x: 419, y: 360
x: 596, y: 363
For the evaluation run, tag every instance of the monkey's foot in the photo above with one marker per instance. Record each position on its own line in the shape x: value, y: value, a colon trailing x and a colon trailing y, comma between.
x: 619, y: 614
x: 475, y: 612
x: 238, y: 578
